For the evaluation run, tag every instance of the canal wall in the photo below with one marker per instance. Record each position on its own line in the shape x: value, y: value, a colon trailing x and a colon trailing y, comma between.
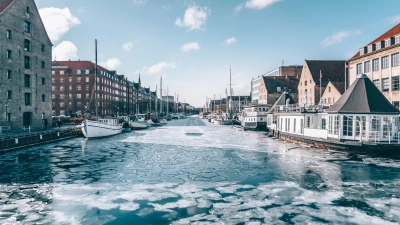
x: 23, y: 140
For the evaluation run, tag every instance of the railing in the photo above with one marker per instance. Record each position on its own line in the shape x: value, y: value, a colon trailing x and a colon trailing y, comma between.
x: 5, y: 129
x: 26, y: 128
x: 296, y: 108
x: 391, y: 136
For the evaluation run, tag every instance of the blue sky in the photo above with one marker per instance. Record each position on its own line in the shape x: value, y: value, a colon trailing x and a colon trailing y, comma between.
x: 192, y: 44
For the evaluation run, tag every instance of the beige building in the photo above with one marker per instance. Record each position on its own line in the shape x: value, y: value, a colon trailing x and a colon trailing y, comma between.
x: 272, y: 87
x: 379, y: 60
x: 309, y: 86
x: 333, y: 92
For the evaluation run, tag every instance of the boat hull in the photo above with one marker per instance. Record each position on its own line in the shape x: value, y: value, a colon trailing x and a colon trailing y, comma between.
x: 94, y: 129
x: 137, y: 126
x: 255, y: 126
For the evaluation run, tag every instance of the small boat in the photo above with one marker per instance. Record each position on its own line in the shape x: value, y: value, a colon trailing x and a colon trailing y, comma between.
x: 238, y: 127
x: 101, y: 128
x: 163, y: 121
x: 226, y: 122
x: 137, y: 125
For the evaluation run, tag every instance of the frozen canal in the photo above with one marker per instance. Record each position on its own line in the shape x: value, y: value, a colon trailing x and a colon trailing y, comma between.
x: 194, y: 172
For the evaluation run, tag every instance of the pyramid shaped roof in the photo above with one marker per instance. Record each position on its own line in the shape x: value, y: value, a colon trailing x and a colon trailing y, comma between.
x: 363, y: 97
x: 282, y: 101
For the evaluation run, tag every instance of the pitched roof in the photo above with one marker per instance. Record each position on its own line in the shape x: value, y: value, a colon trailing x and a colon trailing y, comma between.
x: 340, y: 86
x: 363, y: 97
x: 4, y: 5
x: 289, y: 82
x: 282, y: 100
x: 390, y: 33
x: 331, y: 70
x: 79, y: 65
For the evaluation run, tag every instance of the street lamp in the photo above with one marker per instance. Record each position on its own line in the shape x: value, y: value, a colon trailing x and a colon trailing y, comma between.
x: 6, y: 116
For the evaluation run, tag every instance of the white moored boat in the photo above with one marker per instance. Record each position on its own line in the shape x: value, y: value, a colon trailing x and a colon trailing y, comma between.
x: 137, y: 125
x: 101, y: 128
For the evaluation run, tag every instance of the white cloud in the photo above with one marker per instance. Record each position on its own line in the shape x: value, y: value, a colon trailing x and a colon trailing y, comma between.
x: 57, y: 21
x: 127, y: 46
x: 190, y: 46
x: 66, y: 50
x: 157, y: 68
x: 394, y: 19
x: 194, y: 18
x: 338, y: 37
x: 259, y: 4
x: 229, y: 41
x: 139, y: 2
x: 238, y: 8
x: 111, y: 64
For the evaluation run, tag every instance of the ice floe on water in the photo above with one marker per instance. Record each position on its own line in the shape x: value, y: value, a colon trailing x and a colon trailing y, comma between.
x: 185, y: 174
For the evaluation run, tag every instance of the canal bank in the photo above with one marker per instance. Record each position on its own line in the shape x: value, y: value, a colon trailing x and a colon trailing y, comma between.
x: 14, y: 141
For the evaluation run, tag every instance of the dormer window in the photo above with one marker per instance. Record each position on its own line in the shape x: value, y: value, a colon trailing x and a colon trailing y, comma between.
x: 79, y: 72
x: 370, y: 48
x: 87, y: 72
x: 378, y: 46
x: 397, y: 39
x: 387, y: 43
x: 361, y: 51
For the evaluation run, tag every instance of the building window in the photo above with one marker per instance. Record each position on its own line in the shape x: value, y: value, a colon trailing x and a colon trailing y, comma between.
x: 42, y: 48
x: 397, y: 39
x: 87, y: 95
x: 70, y: 79
x: 387, y: 43
x: 9, y: 94
x: 308, y: 122
x: 62, y: 80
x: 395, y: 59
x: 385, y: 62
x: 43, y: 98
x: 378, y: 46
x: 27, y: 62
x: 61, y: 72
x: 27, y: 27
x: 376, y: 82
x: 43, y: 64
x: 27, y: 98
x: 62, y: 88
x: 27, y: 9
x: 359, y: 71
x: 9, y: 74
x: 396, y: 104
x: 385, y: 84
x: 366, y: 67
x: 78, y: 96
x: 375, y: 64
x: 78, y: 79
x: 70, y: 87
x: 78, y: 87
x: 87, y: 87
x: 395, y: 83
x: 9, y: 54
x: 62, y: 96
x: 27, y: 79
x: 43, y: 81
x: 27, y: 45
x: 347, y: 126
x: 79, y: 72
x: 53, y: 88
x: 324, y: 123
x: 87, y: 72
x: 9, y: 34
x: 53, y: 72
x: 87, y: 79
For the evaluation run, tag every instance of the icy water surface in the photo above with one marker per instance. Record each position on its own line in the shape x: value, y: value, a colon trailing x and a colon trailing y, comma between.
x: 194, y: 172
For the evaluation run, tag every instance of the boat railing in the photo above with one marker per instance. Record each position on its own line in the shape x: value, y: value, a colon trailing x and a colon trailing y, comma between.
x: 296, y: 108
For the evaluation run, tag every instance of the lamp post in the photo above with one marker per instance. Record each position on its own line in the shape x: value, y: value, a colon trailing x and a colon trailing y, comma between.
x: 6, y: 116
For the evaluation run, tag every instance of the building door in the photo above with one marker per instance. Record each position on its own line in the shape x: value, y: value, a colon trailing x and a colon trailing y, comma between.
x: 27, y: 119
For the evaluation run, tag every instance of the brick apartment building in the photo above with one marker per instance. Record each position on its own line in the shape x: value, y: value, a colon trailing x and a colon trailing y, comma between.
x: 73, y: 85
x: 379, y: 60
x: 25, y: 66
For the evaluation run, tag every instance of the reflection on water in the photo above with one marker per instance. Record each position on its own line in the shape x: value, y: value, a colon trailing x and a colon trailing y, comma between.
x: 192, y: 173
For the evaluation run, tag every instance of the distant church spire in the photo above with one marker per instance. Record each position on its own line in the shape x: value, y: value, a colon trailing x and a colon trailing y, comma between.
x: 139, y: 79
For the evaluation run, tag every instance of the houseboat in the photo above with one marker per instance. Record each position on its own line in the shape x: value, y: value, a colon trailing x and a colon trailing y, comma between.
x: 255, y: 117
x: 361, y: 119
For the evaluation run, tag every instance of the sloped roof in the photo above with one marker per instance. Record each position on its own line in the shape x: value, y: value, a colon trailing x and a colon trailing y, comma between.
x: 282, y: 101
x: 289, y: 82
x: 4, y: 4
x: 78, y: 65
x: 390, y: 33
x: 363, y: 97
x: 340, y: 86
x: 332, y: 70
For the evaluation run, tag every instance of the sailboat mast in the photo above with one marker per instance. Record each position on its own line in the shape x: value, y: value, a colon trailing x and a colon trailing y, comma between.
x: 230, y: 89
x: 161, y: 106
x: 167, y: 101
x: 155, y: 104
x: 95, y: 78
